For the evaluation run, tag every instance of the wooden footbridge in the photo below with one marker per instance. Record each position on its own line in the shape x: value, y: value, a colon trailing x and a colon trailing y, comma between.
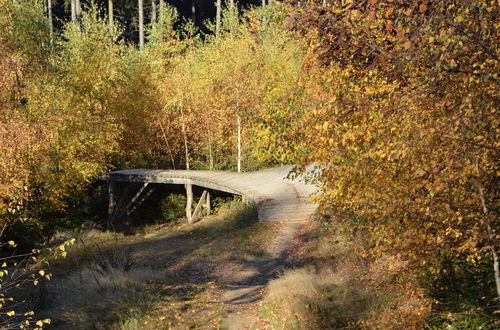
x: 277, y: 198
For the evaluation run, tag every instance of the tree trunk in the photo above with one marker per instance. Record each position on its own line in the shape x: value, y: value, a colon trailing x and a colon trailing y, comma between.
x: 51, y: 24
x: 153, y: 11
x: 186, y: 149
x: 110, y: 15
x: 210, y: 153
x: 78, y: 6
x: 263, y: 3
x: 218, y: 17
x: 189, y: 187
x: 491, y: 235
x: 73, y: 10
x: 141, y: 25
x: 168, y: 145
x: 193, y: 10
x: 161, y: 12
x: 239, y: 144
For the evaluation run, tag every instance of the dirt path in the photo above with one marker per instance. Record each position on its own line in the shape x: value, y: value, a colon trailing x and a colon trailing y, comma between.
x: 211, y: 274
x: 245, y: 289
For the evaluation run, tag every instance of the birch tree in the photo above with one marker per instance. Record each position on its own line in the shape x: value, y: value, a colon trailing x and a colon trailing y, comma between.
x: 161, y: 6
x: 218, y: 5
x: 110, y: 15
x: 78, y: 9
x: 73, y: 10
x: 51, y: 23
x: 153, y: 11
x: 141, y: 24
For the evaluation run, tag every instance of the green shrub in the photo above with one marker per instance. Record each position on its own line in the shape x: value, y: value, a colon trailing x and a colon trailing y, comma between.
x: 172, y: 207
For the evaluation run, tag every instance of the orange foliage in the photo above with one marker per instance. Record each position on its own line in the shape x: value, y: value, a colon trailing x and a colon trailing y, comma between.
x: 405, y: 122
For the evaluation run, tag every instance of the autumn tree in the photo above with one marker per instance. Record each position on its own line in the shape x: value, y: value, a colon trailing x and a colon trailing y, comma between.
x: 403, y: 119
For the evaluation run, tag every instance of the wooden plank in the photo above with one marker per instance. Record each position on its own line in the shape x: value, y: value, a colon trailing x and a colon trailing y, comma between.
x: 129, y: 205
x: 140, y: 201
x: 199, y: 205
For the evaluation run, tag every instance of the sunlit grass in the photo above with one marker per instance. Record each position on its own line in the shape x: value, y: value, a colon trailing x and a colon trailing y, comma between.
x: 143, y: 281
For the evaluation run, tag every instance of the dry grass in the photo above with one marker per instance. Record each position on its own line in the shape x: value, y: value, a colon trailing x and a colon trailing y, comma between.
x: 304, y: 299
x: 105, y: 291
x: 159, y: 278
x: 339, y: 289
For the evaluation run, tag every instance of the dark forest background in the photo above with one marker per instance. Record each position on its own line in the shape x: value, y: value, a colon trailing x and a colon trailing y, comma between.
x: 126, y: 12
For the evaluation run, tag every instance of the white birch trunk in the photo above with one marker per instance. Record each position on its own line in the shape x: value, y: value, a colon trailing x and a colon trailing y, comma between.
x: 141, y: 24
x: 153, y: 11
x: 73, y: 10
x: 218, y: 17
x: 78, y: 7
x: 51, y: 24
x: 161, y: 11
x: 491, y: 235
x: 239, y: 144
x: 210, y: 153
x: 110, y: 16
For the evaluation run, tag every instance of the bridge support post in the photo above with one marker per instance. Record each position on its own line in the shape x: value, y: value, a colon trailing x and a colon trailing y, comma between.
x: 112, y: 201
x: 207, y: 205
x: 189, y: 202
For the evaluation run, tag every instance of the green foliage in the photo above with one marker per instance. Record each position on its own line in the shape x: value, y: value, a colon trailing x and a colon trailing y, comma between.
x: 173, y: 207
x: 463, y: 321
x: 25, y: 30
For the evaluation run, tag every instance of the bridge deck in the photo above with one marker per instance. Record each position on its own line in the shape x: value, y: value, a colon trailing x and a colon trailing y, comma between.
x: 277, y: 198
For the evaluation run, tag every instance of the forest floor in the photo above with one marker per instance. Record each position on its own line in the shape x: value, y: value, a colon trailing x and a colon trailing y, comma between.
x: 209, y: 275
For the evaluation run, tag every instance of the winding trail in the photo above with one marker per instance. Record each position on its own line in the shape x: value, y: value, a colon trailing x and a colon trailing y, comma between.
x: 247, y: 286
x: 278, y: 199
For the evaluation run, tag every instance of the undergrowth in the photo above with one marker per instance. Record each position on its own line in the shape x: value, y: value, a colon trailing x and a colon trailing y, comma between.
x: 340, y: 287
x: 163, y: 278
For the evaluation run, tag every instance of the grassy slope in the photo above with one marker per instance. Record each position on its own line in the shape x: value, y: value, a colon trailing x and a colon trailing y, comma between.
x: 338, y: 287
